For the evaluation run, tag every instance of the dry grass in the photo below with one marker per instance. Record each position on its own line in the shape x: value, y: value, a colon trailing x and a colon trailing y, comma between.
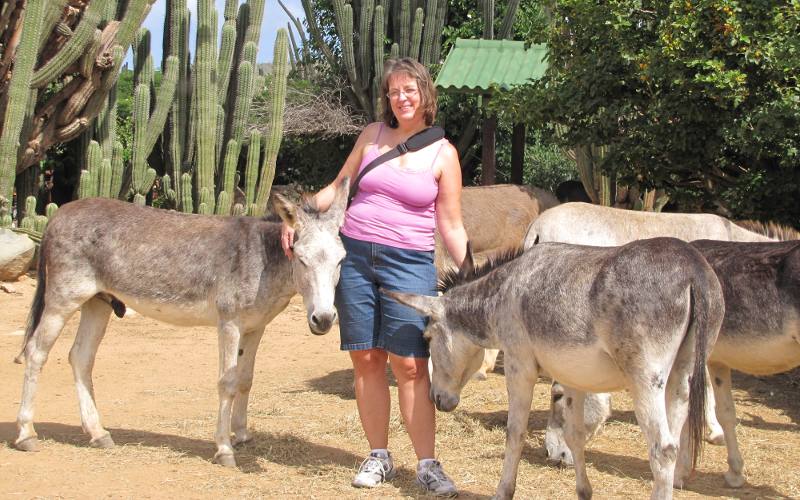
x: 156, y: 394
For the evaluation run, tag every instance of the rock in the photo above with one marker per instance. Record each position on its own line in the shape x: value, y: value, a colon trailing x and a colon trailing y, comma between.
x: 8, y: 288
x: 16, y: 254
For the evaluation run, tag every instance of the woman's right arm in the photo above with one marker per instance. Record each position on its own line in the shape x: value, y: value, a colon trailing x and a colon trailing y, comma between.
x: 324, y: 197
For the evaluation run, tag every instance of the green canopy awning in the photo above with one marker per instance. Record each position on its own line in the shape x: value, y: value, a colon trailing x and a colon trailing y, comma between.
x: 475, y: 65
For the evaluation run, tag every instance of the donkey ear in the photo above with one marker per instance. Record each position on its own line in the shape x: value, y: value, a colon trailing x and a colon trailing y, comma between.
x: 339, y: 205
x: 290, y: 213
x: 423, y: 304
x: 467, y: 268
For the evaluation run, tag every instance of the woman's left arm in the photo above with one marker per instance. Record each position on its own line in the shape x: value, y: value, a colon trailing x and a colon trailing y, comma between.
x: 448, y: 204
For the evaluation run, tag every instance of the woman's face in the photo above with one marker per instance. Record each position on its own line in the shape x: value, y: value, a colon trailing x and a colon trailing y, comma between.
x: 404, y: 97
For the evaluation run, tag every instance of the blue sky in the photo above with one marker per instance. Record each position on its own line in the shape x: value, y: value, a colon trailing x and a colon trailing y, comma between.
x: 274, y: 18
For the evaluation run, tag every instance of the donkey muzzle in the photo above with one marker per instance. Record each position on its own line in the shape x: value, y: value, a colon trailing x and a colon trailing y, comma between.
x: 444, y: 402
x: 321, y: 323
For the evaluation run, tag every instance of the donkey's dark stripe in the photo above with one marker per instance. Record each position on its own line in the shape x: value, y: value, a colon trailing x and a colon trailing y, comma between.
x: 453, y: 277
x: 770, y: 229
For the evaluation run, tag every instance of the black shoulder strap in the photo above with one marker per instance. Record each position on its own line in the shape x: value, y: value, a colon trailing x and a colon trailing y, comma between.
x: 416, y: 142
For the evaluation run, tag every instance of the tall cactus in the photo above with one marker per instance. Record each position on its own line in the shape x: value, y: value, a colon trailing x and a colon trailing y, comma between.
x: 17, y: 103
x: 409, y: 30
x: 207, y: 124
x: 280, y: 62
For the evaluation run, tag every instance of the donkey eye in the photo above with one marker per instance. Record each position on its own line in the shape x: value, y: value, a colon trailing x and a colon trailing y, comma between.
x: 557, y: 397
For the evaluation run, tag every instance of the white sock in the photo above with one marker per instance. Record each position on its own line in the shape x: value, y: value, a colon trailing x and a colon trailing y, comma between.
x: 380, y: 453
x: 425, y: 462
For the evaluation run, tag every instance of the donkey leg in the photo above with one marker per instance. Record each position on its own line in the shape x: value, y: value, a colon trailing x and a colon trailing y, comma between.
x: 677, y: 400
x: 36, y: 353
x: 489, y: 361
x: 715, y: 435
x: 575, y: 436
x: 650, y: 409
x: 248, y: 345
x: 227, y: 386
x: 726, y: 411
x: 520, y: 380
x: 94, y: 320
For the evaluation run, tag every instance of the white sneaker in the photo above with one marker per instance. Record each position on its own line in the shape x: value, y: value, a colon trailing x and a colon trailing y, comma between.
x: 432, y: 477
x: 374, y: 470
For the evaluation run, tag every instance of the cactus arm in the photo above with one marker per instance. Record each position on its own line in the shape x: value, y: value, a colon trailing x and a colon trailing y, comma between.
x: 405, y: 26
x: 364, y: 45
x: 278, y: 102
x: 229, y: 169
x: 428, y: 32
x: 416, y: 33
x: 206, y: 100
x: 253, y: 33
x: 73, y: 49
x: 251, y: 167
x: 187, y: 204
x: 378, y: 56
x: 140, y: 114
x: 164, y: 97
x: 18, y: 94
x: 225, y: 62
x: 117, y: 170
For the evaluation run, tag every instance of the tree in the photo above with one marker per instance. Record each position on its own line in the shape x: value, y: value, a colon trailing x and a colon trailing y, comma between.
x: 699, y: 97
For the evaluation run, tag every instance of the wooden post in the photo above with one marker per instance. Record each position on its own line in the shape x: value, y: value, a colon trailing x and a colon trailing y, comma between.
x: 517, y: 153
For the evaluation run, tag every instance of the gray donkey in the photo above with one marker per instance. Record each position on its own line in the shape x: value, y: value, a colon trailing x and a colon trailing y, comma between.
x: 760, y: 335
x: 641, y: 316
x: 188, y: 270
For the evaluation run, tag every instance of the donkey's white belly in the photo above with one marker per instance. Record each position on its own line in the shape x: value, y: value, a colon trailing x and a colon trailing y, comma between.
x: 586, y: 368
x: 758, y: 355
x: 190, y: 314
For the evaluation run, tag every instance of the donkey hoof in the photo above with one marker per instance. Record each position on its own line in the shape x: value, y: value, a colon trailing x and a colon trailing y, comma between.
x: 242, y: 440
x: 103, y: 442
x: 734, y: 480
x: 28, y: 444
x: 226, y: 460
x: 480, y: 375
x: 717, y: 439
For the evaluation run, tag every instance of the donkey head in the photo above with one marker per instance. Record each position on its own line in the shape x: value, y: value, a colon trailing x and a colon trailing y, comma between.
x: 454, y: 357
x: 318, y: 254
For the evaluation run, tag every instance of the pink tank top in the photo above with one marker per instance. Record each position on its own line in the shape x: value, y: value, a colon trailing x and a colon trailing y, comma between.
x: 395, y: 206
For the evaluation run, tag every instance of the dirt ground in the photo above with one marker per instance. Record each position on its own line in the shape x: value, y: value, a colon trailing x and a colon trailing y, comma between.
x: 156, y: 392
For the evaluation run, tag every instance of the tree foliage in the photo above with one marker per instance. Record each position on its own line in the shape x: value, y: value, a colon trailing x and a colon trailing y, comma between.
x: 697, y: 96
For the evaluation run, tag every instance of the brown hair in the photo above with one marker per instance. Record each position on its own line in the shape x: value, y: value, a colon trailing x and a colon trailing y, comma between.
x: 427, y: 90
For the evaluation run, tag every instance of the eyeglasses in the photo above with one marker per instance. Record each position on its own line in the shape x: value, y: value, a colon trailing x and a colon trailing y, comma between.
x: 409, y: 92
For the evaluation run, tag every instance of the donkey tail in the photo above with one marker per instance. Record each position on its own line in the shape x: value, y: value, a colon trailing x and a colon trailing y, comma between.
x: 37, y: 307
x: 706, y: 319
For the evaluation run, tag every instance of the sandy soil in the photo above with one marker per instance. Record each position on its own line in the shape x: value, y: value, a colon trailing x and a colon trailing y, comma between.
x: 156, y: 392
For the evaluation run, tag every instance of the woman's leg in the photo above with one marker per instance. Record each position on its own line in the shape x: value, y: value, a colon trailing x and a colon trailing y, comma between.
x: 416, y: 407
x: 372, y: 395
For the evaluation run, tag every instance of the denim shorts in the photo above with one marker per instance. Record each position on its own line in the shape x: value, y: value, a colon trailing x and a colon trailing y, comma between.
x: 369, y: 319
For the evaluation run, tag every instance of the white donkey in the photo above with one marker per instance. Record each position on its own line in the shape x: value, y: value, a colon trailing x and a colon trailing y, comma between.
x: 760, y: 335
x: 188, y: 270
x: 642, y: 316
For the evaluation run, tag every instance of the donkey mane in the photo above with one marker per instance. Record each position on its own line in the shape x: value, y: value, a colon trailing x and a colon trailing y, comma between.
x: 453, y: 277
x: 770, y: 229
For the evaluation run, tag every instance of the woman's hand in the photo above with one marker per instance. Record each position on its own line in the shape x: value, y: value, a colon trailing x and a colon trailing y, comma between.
x: 287, y: 239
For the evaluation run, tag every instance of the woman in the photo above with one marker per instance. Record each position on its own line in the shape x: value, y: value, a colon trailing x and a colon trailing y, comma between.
x: 388, y: 235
